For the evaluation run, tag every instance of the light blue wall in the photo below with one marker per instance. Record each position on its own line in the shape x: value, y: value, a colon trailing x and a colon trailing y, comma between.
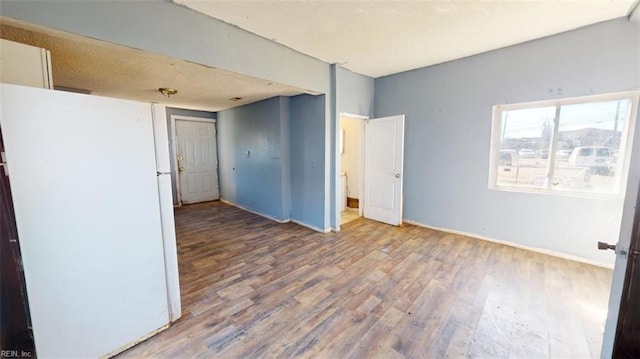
x: 283, y: 177
x: 354, y: 92
x: 181, y: 112
x: 189, y: 36
x: 448, y: 111
x: 253, y: 156
x: 308, y: 155
x: 353, y: 95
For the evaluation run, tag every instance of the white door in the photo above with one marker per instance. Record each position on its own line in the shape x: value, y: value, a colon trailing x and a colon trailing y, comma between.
x: 383, y: 157
x: 83, y: 179
x: 197, y: 161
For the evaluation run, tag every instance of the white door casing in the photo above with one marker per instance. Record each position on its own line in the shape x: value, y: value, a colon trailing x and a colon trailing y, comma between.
x: 383, y: 169
x: 197, y: 161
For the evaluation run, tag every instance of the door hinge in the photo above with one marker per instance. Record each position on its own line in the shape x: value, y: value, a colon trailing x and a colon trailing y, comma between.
x: 5, y: 169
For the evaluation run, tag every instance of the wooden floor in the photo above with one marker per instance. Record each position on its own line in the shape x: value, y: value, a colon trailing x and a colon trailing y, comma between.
x: 348, y: 215
x: 255, y: 288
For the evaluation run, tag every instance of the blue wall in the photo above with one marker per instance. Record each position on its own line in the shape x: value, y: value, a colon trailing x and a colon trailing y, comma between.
x: 448, y: 111
x: 307, y: 116
x: 353, y: 95
x: 271, y: 155
x: 253, y: 157
x: 180, y: 112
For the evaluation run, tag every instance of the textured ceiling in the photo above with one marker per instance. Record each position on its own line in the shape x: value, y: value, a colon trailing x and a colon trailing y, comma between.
x: 116, y: 71
x: 374, y: 38
x: 378, y: 38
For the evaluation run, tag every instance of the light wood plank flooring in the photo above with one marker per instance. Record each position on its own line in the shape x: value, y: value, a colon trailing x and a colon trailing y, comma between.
x: 255, y: 288
x: 348, y: 215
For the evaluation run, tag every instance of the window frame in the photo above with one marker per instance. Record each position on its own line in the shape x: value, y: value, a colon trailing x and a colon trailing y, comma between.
x: 626, y: 144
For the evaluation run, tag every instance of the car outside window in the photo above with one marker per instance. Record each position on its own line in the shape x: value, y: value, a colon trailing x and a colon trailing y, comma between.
x: 577, y: 146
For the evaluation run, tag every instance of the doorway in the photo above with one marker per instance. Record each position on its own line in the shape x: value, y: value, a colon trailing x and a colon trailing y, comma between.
x: 351, y: 155
x: 370, y: 158
x: 196, y: 159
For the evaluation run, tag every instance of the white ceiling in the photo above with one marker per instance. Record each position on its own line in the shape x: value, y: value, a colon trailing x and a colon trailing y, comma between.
x: 110, y: 70
x: 378, y: 38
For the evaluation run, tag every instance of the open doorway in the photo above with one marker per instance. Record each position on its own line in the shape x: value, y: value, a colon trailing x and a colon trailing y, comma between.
x: 370, y: 176
x: 351, y: 160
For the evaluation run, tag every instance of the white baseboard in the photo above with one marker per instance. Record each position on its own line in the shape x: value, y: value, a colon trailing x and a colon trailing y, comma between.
x: 267, y: 216
x: 311, y: 227
x: 515, y: 245
x: 276, y: 219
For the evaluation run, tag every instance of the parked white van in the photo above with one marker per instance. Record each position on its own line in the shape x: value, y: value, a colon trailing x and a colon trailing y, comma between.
x: 597, y: 158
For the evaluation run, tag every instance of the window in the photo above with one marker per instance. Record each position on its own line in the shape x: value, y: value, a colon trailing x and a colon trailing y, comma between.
x: 577, y: 146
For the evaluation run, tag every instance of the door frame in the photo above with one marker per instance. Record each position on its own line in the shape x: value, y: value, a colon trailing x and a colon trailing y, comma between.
x: 364, y: 119
x: 399, y: 175
x: 174, y: 147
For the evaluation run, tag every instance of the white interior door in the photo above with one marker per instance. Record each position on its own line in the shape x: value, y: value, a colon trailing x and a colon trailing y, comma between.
x: 383, y: 169
x: 197, y: 161
x: 83, y: 179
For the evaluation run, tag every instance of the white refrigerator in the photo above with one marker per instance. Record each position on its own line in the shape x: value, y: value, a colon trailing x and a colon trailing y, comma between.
x: 95, y: 220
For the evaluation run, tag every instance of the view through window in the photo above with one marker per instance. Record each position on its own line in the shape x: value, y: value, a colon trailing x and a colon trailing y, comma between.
x: 573, y: 145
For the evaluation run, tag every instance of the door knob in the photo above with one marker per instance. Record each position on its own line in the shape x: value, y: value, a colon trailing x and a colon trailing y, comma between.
x: 397, y: 175
x: 181, y: 169
x: 604, y: 246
